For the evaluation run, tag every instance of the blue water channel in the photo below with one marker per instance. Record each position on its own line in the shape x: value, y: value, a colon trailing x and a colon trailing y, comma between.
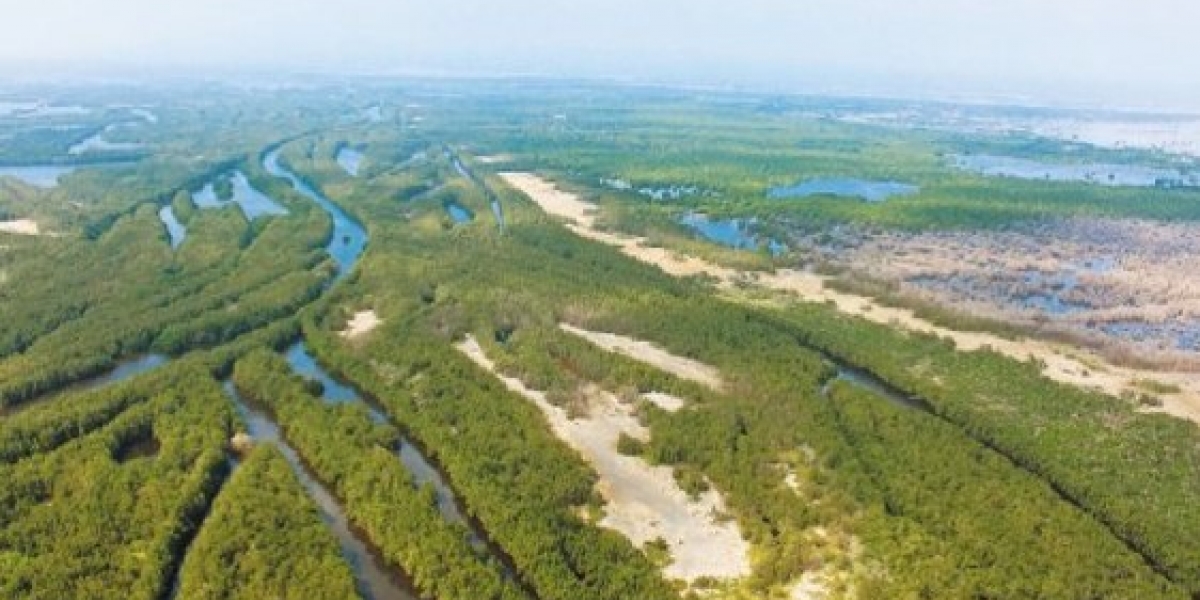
x: 871, y: 191
x: 253, y: 203
x: 349, y: 239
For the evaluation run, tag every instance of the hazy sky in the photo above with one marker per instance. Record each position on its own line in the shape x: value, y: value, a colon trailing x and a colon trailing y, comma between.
x: 1144, y: 52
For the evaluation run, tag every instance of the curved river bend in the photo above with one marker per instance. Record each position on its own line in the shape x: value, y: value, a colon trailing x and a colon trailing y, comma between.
x: 349, y: 239
x: 375, y: 579
x: 372, y: 576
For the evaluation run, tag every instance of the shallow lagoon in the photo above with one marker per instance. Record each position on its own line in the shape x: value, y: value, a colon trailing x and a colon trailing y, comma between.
x: 253, y: 203
x: 349, y: 160
x: 1097, y: 173
x: 871, y: 191
x: 97, y: 143
x: 42, y: 176
x: 734, y: 233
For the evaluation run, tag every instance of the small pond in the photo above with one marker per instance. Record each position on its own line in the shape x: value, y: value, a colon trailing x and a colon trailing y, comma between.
x: 659, y: 193
x: 127, y: 369
x: 349, y: 159
x: 877, y: 386
x: 458, y: 213
x: 734, y: 233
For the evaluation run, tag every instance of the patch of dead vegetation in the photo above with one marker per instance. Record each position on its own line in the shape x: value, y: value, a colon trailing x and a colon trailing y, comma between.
x: 1113, y: 283
x: 1061, y: 362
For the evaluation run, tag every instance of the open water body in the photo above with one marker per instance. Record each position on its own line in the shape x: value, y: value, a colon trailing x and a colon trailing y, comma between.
x: 871, y: 191
x: 734, y: 233
x: 349, y: 160
x: 1107, y: 174
x: 349, y: 239
x: 253, y: 203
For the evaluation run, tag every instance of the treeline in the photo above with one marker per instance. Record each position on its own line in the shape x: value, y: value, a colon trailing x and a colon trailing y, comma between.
x: 772, y: 423
x: 511, y: 473
x: 734, y: 155
x: 59, y: 419
x: 106, y: 514
x: 46, y: 427
x: 357, y: 459
x: 264, y: 538
x: 511, y: 291
x: 220, y: 285
x: 1137, y: 473
x: 992, y: 526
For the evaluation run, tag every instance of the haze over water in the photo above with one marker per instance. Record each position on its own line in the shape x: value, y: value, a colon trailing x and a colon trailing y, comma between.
x: 1078, y: 51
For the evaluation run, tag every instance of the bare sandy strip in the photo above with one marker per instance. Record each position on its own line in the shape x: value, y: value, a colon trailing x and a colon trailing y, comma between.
x: 664, y: 401
x: 679, y: 366
x: 552, y: 199
x: 643, y: 502
x: 494, y: 159
x: 361, y: 324
x: 20, y: 227
x: 810, y: 587
x: 1062, y: 363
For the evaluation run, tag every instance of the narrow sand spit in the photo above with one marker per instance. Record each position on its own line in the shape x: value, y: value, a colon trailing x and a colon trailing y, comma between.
x: 552, y: 199
x: 643, y: 502
x: 494, y: 159
x: 664, y: 401
x: 1062, y: 363
x: 20, y: 227
x: 684, y: 368
x: 360, y: 324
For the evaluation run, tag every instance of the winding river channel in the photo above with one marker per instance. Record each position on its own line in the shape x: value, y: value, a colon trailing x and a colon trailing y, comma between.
x: 493, y: 200
x: 349, y: 239
x: 422, y: 470
x: 374, y: 577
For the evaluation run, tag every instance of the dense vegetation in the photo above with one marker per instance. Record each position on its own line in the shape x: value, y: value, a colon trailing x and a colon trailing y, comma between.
x: 357, y: 459
x: 1131, y: 459
x: 265, y: 539
x: 512, y: 474
x: 513, y: 291
x: 127, y: 293
x: 1010, y: 486
x: 106, y: 514
x: 992, y: 525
